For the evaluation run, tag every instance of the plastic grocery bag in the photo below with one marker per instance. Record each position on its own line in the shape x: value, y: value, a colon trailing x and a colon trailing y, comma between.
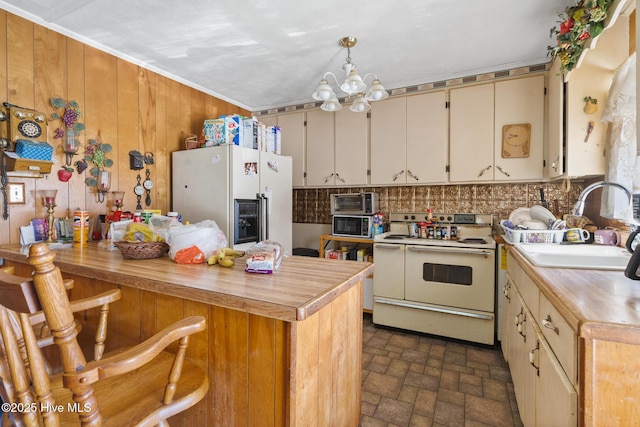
x: 194, y: 243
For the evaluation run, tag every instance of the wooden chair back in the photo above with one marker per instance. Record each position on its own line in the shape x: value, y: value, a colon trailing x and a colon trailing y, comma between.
x: 142, y: 385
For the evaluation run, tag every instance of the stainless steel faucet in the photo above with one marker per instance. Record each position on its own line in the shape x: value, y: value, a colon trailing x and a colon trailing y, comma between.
x: 579, y: 206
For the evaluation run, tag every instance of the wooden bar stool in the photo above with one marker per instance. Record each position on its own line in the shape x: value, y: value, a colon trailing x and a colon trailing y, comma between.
x: 141, y: 385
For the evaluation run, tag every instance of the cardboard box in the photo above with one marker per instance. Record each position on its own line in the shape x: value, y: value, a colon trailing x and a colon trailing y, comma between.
x: 246, y: 132
x: 214, y: 132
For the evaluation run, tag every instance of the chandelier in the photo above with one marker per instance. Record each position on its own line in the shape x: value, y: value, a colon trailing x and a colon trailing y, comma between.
x: 354, y: 85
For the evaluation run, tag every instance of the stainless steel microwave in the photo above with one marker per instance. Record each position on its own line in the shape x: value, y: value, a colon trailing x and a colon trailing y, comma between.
x: 351, y: 225
x: 354, y: 204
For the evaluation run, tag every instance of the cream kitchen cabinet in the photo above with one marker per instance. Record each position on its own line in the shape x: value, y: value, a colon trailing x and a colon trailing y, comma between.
x: 481, y: 147
x: 293, y: 141
x: 337, y: 148
x: 572, y: 151
x: 542, y: 353
x: 409, y: 139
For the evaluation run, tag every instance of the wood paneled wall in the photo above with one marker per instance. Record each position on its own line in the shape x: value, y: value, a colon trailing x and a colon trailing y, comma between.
x: 130, y: 107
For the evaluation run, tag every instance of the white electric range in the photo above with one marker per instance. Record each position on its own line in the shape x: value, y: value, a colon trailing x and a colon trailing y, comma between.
x: 443, y: 284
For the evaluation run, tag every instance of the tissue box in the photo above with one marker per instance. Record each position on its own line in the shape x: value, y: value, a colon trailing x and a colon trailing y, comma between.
x: 34, y: 150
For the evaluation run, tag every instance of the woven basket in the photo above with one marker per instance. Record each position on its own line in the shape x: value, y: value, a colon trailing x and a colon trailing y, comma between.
x: 142, y: 250
x: 191, y: 142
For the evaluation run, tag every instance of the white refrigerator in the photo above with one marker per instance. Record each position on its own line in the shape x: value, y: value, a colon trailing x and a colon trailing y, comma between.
x: 216, y: 182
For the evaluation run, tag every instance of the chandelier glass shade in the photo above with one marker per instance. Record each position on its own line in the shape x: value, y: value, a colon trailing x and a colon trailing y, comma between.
x: 353, y: 86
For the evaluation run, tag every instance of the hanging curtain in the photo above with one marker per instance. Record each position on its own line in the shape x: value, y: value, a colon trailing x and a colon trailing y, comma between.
x: 622, y: 164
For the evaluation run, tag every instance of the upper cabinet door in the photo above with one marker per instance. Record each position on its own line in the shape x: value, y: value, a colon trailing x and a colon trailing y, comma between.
x: 471, y: 136
x: 518, y: 153
x: 351, y: 147
x: 555, y: 126
x: 427, y: 138
x: 320, y: 148
x: 389, y: 141
x: 293, y: 143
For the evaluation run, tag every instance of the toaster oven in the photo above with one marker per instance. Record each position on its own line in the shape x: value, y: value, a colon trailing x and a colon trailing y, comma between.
x: 354, y: 204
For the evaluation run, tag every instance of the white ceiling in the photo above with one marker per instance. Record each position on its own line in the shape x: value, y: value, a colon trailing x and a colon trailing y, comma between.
x: 264, y: 54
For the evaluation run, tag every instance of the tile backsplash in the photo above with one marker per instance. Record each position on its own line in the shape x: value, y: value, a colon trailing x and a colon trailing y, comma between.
x: 313, y: 205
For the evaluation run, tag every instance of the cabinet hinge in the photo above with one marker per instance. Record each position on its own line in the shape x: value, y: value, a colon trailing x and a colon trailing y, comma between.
x: 545, y: 90
x: 305, y: 123
x: 368, y: 172
x: 368, y: 115
x: 447, y: 169
x: 304, y: 174
x: 544, y: 163
x: 447, y: 104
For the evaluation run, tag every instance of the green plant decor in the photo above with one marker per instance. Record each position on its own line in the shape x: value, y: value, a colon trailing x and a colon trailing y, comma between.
x: 578, y: 24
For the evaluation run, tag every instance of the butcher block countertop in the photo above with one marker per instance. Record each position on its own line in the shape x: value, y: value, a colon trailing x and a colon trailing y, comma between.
x: 299, y: 288
x: 597, y: 304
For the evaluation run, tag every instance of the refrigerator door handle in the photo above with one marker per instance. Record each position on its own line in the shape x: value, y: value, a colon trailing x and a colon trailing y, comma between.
x: 266, y: 216
x: 263, y: 215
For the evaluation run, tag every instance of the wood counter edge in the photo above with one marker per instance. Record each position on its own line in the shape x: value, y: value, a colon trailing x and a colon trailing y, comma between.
x: 317, y: 303
x: 253, y: 306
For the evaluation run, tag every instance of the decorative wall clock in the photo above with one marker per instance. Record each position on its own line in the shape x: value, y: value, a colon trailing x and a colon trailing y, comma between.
x: 516, y: 140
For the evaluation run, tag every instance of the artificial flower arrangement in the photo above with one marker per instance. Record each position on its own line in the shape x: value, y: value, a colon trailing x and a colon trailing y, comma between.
x: 579, y: 23
x: 70, y: 117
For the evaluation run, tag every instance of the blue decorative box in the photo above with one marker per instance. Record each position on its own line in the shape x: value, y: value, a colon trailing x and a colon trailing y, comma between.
x: 34, y: 150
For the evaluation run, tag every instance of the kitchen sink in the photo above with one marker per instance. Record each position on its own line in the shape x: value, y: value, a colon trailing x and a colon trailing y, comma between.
x: 579, y: 255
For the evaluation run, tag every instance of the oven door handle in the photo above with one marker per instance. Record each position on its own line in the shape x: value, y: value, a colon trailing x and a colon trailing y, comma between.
x: 451, y: 251
x: 436, y: 309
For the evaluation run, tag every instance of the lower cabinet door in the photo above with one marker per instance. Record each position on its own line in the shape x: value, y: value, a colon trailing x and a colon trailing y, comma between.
x: 556, y: 400
x: 388, y: 280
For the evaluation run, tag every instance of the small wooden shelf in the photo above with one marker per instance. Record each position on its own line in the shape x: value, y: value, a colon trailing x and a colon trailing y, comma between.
x: 326, y: 238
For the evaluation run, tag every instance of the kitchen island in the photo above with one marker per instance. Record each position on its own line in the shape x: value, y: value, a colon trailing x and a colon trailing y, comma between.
x: 280, y: 349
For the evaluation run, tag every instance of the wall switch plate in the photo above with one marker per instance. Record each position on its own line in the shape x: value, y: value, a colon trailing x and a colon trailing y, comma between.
x: 16, y: 193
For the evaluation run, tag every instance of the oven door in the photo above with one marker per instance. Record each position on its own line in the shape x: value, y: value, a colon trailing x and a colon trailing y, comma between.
x: 453, y: 277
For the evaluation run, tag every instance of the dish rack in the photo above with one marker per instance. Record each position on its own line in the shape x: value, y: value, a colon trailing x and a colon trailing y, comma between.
x: 531, y: 236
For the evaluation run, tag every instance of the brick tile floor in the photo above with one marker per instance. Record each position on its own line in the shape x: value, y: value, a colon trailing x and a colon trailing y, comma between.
x: 411, y: 379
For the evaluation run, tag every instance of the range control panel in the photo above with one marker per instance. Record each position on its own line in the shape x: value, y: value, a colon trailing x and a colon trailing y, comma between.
x: 448, y: 218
